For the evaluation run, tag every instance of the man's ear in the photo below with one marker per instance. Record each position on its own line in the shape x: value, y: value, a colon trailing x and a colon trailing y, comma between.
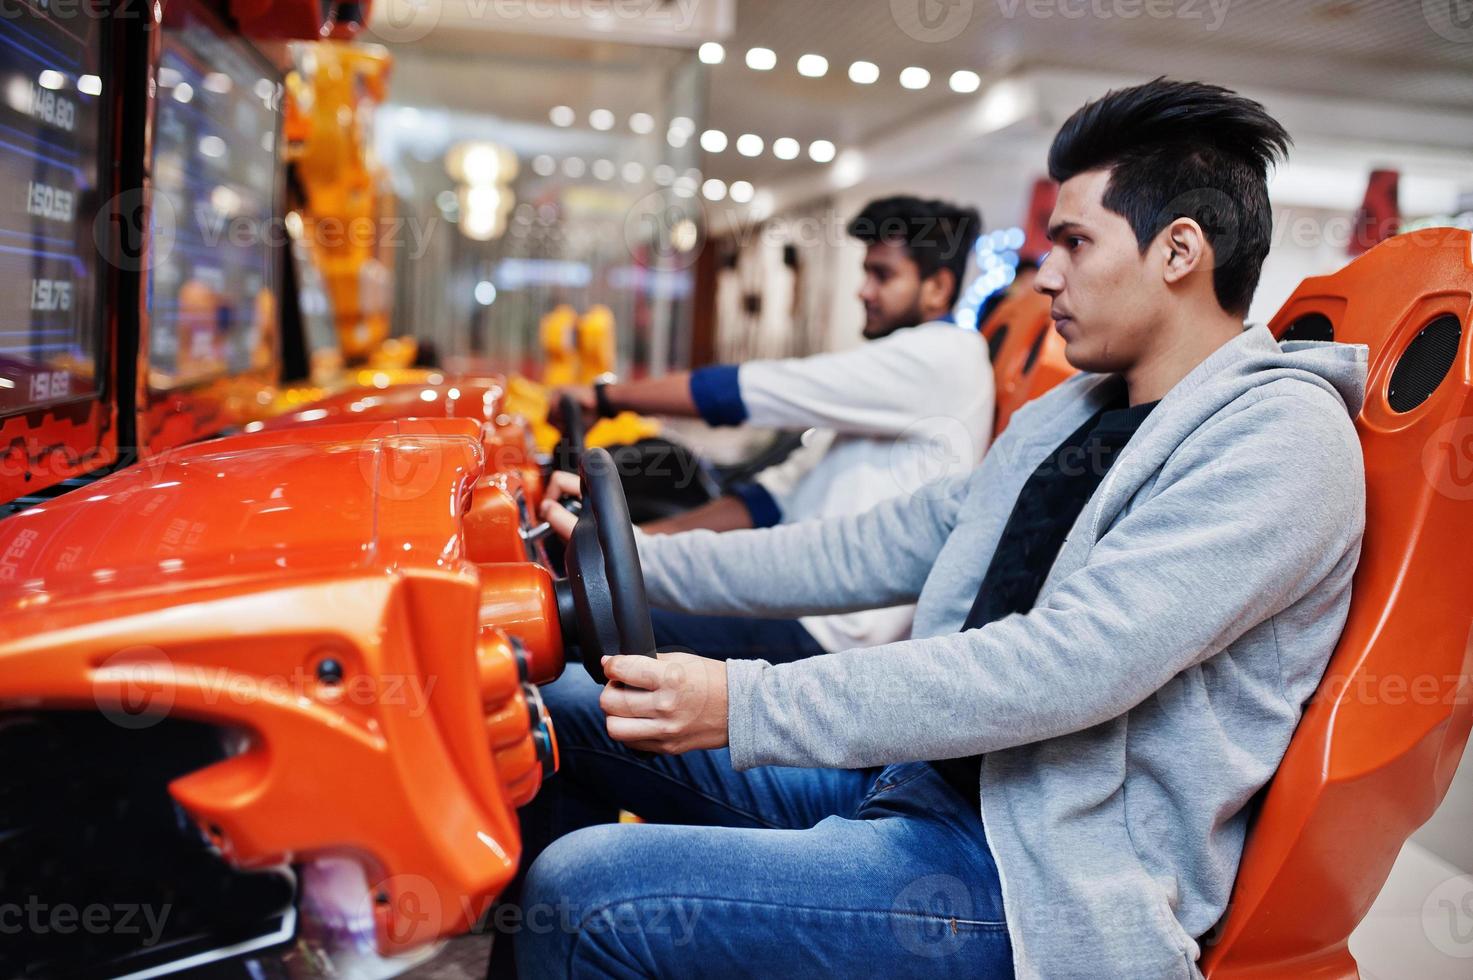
x: 1185, y: 249
x: 937, y: 288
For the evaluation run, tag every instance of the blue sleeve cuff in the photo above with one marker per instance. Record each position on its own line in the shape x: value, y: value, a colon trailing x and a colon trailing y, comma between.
x: 760, y: 504
x: 718, y: 395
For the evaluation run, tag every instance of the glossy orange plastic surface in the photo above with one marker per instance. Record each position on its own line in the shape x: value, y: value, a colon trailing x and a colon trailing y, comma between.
x: 308, y: 588
x: 1030, y: 359
x: 1379, y: 742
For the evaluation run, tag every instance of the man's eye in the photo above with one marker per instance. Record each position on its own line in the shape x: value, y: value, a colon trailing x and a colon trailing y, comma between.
x: 1073, y: 242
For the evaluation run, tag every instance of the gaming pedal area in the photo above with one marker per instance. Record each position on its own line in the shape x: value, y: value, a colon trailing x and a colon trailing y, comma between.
x: 274, y: 607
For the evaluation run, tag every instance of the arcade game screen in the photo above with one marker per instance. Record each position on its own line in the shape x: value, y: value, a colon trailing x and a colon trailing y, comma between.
x: 212, y: 288
x: 52, y: 116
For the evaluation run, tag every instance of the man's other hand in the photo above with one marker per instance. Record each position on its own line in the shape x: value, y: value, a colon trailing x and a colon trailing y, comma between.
x: 673, y: 704
x: 582, y: 395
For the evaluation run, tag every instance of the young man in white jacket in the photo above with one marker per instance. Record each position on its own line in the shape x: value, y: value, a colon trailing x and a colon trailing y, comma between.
x: 912, y: 405
x: 1121, y: 614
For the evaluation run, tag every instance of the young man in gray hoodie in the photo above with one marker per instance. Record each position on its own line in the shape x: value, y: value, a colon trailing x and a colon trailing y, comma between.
x: 1120, y: 613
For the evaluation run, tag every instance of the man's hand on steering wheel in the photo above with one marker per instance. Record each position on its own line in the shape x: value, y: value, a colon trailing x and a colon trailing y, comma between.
x: 673, y: 704
x: 560, y: 484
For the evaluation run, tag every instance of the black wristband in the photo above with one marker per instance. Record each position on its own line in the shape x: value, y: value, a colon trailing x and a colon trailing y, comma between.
x: 601, y: 399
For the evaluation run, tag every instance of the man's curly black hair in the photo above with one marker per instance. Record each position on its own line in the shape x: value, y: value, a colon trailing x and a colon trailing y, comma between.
x: 1183, y: 149
x: 936, y: 235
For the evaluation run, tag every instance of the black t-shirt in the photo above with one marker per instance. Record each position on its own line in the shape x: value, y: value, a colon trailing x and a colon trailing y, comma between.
x: 1046, y: 509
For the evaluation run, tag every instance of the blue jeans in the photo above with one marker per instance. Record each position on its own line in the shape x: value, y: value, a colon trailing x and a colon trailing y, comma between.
x: 770, y: 872
x: 777, y: 641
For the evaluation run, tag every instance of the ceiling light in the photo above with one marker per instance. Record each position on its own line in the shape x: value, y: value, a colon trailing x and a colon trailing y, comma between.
x: 485, y: 292
x: 682, y: 124
x: 915, y: 78
x: 677, y: 138
x: 601, y: 120
x: 965, y: 81
x: 713, y: 141
x: 642, y: 123
x: 562, y: 115
x: 741, y: 192
x: 663, y: 174
x: 821, y: 151
x: 604, y: 169
x: 749, y: 145
x: 713, y: 190
x: 786, y: 148
x: 573, y: 167
x: 761, y: 59
x: 864, y: 73
x: 813, y: 66
x: 711, y: 53
x: 633, y: 172
x: 544, y: 165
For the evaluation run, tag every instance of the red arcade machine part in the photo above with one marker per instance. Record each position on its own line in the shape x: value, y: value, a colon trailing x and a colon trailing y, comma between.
x: 280, y: 20
x: 58, y: 378
x: 1027, y: 353
x: 1040, y: 206
x: 1379, y: 216
x: 504, y: 437
x: 1378, y: 743
x: 336, y: 622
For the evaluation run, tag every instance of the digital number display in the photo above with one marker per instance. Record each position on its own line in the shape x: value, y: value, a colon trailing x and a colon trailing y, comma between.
x: 51, y: 122
x: 211, y: 290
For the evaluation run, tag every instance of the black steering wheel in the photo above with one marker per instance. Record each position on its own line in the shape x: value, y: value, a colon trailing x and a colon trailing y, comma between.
x: 602, y: 604
x: 568, y: 452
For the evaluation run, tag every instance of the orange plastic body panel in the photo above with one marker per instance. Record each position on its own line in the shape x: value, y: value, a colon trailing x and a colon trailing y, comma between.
x: 1030, y: 359
x: 1378, y: 744
x: 215, y: 582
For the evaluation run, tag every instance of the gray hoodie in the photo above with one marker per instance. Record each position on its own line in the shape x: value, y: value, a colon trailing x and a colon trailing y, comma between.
x: 1130, y: 718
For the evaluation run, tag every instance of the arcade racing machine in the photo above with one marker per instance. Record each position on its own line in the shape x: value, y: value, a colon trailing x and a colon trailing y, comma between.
x: 264, y: 699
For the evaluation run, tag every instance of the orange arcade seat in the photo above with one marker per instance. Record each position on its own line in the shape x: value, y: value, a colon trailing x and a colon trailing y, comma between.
x: 1027, y: 353
x: 1380, y: 740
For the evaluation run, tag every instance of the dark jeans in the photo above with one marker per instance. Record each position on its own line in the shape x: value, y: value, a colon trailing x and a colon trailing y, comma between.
x: 777, y: 641
x: 770, y: 872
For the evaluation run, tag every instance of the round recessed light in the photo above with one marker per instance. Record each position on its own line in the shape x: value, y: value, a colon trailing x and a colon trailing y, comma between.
x: 601, y: 120
x: 574, y: 167
x: 761, y: 59
x: 786, y: 148
x: 562, y: 115
x: 965, y: 81
x: 713, y: 141
x: 714, y: 190
x: 749, y: 145
x: 915, y: 78
x: 813, y: 66
x: 633, y: 172
x: 544, y: 165
x: 642, y: 123
x: 604, y: 169
x: 821, y: 151
x: 864, y: 73
x: 711, y: 53
x: 741, y: 191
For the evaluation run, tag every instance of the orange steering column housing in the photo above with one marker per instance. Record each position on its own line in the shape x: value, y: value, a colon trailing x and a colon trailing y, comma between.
x: 1028, y: 357
x: 309, y: 589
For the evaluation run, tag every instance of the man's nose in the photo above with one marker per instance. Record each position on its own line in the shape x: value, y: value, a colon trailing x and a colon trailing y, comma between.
x: 1048, y: 281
